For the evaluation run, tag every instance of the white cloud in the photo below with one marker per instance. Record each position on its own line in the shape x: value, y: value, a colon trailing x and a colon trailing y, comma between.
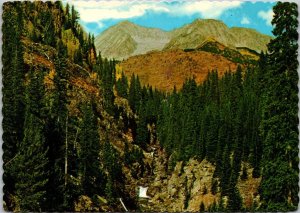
x: 208, y: 9
x: 98, y: 4
x: 97, y: 11
x: 266, y: 15
x: 245, y: 20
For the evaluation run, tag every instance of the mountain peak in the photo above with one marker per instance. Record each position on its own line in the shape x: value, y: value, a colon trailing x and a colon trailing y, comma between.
x: 205, y: 22
x: 210, y: 20
x: 125, y: 23
x: 127, y: 39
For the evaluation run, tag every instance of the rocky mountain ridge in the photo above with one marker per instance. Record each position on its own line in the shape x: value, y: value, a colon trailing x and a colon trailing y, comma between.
x: 127, y: 39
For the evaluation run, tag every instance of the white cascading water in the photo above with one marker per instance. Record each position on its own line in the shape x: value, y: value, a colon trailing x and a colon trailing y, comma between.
x: 143, y: 192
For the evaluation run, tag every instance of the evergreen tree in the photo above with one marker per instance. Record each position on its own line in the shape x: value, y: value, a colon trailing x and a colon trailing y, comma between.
x: 142, y: 133
x: 78, y: 57
x: 74, y: 17
x: 49, y: 30
x: 135, y: 95
x: 213, y: 207
x: 30, y: 165
x: 202, y: 207
x: 279, y: 126
x: 122, y: 86
x: 56, y: 136
x: 114, y: 172
x: 106, y: 70
x: 253, y: 140
x: 244, y: 175
x: 67, y: 23
x: 203, y: 135
x: 214, y: 186
x: 89, y: 152
x: 226, y: 170
x: 13, y: 91
x: 234, y: 200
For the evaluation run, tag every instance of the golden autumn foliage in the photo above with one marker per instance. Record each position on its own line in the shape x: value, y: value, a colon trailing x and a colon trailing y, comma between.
x: 92, y: 56
x: 165, y: 69
x: 48, y: 79
x: 71, y: 42
x: 118, y: 72
x: 93, y: 76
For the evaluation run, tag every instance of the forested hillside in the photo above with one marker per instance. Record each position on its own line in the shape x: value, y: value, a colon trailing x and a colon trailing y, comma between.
x: 78, y: 135
x: 166, y: 69
x: 52, y: 105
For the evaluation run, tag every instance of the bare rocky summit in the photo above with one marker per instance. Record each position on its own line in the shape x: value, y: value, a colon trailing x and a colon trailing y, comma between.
x: 127, y: 39
x: 192, y: 35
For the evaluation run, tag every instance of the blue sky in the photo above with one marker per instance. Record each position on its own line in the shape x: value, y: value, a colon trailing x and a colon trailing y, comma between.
x: 97, y: 16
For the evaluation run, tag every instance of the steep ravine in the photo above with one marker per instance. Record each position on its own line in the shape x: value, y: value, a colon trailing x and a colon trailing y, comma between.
x: 184, y: 187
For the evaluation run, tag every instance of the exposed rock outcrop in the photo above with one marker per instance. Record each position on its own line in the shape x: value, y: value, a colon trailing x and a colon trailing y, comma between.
x: 187, y: 185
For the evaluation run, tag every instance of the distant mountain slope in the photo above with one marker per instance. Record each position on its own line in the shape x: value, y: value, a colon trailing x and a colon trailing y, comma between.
x: 242, y: 55
x: 250, y: 38
x: 191, y: 35
x: 164, y: 69
x: 128, y: 39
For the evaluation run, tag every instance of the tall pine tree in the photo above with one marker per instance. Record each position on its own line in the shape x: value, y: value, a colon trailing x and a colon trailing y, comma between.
x: 13, y: 91
x: 30, y: 165
x: 89, y: 160
x: 279, y: 126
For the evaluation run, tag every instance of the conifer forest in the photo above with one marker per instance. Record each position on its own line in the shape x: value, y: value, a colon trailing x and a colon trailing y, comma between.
x: 81, y: 134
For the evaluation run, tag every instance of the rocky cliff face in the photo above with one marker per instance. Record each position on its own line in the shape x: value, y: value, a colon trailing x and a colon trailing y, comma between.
x: 184, y: 188
x: 187, y: 185
x: 127, y: 39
